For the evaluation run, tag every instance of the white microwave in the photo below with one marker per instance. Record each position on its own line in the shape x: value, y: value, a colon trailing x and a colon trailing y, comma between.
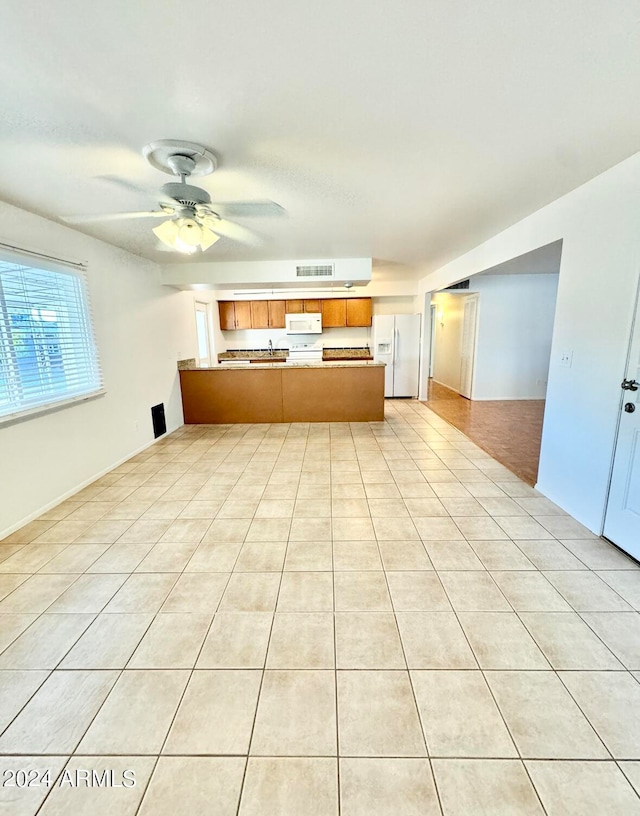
x: 304, y: 323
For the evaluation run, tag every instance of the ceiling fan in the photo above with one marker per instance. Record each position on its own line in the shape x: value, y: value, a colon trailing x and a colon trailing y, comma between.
x: 192, y: 222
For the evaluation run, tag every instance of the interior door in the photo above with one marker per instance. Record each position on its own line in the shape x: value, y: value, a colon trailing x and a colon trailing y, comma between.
x: 468, y: 347
x: 406, y: 355
x: 622, y: 521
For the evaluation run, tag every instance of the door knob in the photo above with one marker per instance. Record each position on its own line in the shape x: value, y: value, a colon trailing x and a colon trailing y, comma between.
x: 629, y: 385
x: 629, y: 407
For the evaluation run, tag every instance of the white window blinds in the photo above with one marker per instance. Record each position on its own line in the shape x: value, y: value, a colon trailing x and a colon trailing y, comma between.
x: 48, y: 354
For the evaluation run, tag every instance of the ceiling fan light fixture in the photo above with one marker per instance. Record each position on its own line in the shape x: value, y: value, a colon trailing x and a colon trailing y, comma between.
x: 189, y: 231
x: 185, y: 235
x: 167, y: 232
x: 208, y: 238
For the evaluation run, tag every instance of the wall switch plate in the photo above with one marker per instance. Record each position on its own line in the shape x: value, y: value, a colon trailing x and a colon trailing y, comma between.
x: 566, y: 359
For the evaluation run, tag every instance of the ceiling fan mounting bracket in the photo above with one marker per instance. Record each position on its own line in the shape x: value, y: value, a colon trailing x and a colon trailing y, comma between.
x: 176, y: 158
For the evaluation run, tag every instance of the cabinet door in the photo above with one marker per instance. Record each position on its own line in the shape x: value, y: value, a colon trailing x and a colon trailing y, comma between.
x: 311, y: 305
x: 276, y: 314
x: 243, y: 314
x: 334, y: 313
x: 259, y: 314
x: 358, y: 311
x: 227, y: 314
x: 294, y: 306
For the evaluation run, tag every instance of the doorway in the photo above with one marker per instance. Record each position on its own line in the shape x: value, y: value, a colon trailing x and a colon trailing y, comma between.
x: 622, y: 517
x: 492, y: 355
x: 203, y: 334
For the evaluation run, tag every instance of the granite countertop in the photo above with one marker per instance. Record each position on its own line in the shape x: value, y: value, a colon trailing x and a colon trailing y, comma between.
x: 362, y: 353
x: 252, y: 367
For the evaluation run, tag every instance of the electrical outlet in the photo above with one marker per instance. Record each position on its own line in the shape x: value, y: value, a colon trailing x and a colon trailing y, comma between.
x: 566, y: 359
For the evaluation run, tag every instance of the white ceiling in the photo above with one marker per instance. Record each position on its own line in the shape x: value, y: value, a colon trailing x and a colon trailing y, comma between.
x: 407, y: 132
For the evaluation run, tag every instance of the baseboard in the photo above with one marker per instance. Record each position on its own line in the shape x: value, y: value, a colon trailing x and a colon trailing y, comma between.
x: 548, y: 494
x: 67, y: 494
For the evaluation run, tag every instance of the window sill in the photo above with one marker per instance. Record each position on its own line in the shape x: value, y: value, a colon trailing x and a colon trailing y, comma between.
x: 38, y: 410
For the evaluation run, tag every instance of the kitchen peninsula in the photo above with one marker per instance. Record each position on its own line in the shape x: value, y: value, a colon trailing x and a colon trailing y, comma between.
x: 281, y: 392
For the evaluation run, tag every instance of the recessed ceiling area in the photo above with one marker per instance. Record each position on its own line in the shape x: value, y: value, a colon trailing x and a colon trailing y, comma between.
x: 407, y: 133
x: 542, y: 261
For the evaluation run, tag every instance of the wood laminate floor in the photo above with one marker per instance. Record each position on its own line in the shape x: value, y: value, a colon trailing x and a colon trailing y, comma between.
x: 510, y: 430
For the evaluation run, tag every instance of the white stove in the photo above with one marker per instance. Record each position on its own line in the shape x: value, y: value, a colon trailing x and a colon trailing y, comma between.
x: 305, y: 353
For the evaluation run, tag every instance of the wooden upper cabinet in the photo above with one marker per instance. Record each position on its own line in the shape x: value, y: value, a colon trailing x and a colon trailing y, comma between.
x: 259, y: 314
x: 358, y: 311
x: 269, y: 314
x: 243, y: 314
x: 276, y: 314
x: 334, y: 313
x: 227, y: 312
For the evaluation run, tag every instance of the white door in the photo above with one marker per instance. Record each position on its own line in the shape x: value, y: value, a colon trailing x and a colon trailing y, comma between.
x: 202, y: 333
x: 406, y: 355
x: 468, y: 348
x: 622, y: 521
x: 383, y: 331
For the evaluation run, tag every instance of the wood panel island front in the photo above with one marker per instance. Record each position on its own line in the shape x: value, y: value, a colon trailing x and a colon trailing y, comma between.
x: 283, y: 392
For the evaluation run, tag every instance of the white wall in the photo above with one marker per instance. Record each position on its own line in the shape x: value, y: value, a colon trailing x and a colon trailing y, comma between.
x: 513, y: 342
x: 393, y: 305
x: 598, y: 224
x: 142, y: 329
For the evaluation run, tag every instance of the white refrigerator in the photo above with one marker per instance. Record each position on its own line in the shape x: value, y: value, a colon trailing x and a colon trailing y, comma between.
x: 396, y: 342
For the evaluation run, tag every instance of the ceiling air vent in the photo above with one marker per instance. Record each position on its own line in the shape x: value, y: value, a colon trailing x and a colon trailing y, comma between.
x: 320, y: 271
x: 462, y: 285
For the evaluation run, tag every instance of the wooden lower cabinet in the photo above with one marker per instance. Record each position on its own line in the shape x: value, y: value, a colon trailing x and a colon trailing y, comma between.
x: 287, y: 394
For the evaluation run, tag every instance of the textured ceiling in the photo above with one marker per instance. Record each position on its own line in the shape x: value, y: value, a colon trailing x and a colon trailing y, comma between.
x: 408, y: 132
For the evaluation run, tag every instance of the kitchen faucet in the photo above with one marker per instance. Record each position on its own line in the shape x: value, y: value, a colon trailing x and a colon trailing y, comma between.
x: 270, y: 348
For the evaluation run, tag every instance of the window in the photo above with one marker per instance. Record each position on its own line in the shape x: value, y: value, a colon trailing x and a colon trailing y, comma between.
x: 48, y: 355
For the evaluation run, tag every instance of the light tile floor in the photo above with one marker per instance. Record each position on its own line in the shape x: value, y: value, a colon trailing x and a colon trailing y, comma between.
x: 306, y: 620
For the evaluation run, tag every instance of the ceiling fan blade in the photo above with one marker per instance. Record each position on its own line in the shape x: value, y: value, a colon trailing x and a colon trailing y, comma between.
x: 125, y: 183
x: 89, y: 219
x: 228, y: 229
x: 249, y: 209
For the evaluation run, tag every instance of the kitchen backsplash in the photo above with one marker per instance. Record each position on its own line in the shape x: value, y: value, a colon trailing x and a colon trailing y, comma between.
x: 330, y: 338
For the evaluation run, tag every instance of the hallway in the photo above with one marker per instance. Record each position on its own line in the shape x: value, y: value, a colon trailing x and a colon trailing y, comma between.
x: 371, y: 619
